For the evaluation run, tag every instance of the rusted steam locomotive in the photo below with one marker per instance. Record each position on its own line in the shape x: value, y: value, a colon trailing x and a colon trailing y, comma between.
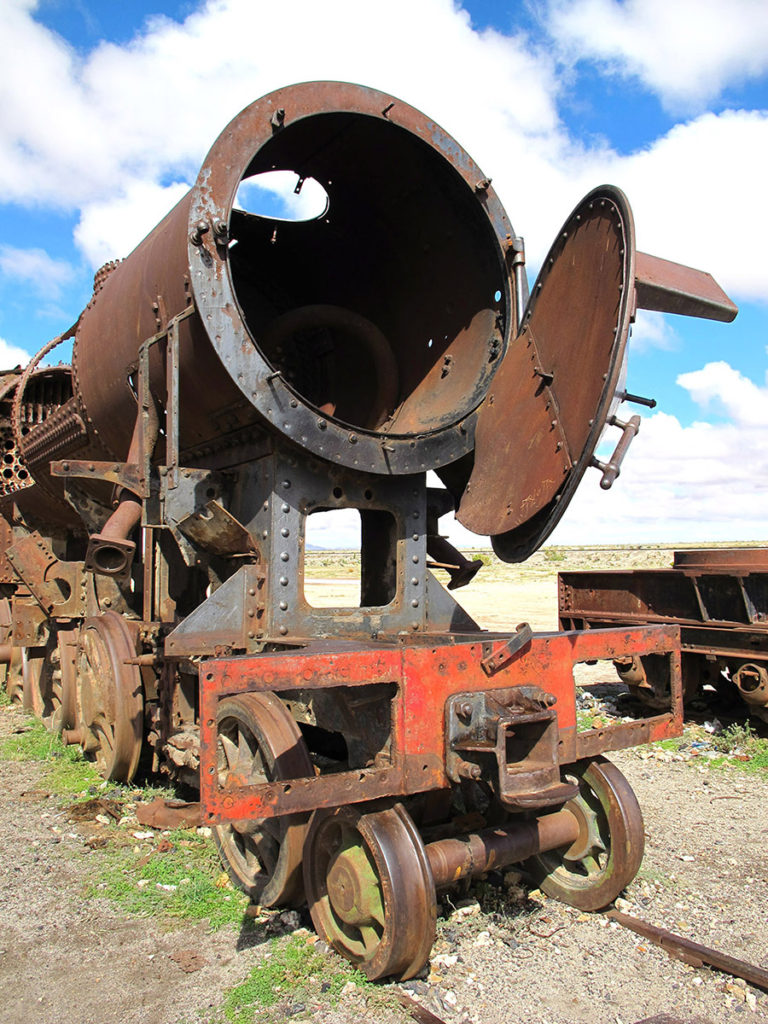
x: 237, y: 374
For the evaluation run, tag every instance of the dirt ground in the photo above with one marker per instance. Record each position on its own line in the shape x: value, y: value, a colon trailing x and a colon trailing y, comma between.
x: 503, y: 955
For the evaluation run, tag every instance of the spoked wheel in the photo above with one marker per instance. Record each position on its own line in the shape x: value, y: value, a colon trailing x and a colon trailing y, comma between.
x: 370, y: 890
x: 260, y: 742
x: 6, y: 640
x: 14, y: 679
x: 48, y: 682
x: 110, y: 700
x: 605, y: 858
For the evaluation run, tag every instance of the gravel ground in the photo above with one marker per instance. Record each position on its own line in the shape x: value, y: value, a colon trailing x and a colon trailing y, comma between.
x: 512, y: 956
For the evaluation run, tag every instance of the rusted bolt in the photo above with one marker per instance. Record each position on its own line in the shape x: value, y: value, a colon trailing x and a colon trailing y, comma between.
x: 467, y: 770
x: 464, y: 710
x: 278, y: 118
x: 483, y: 185
x: 196, y: 236
x: 221, y: 231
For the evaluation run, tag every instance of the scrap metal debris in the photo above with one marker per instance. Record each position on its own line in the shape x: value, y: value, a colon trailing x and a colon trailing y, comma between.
x: 693, y: 953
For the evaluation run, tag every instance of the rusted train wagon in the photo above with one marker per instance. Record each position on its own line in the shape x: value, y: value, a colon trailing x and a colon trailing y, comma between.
x: 719, y: 599
x: 237, y: 374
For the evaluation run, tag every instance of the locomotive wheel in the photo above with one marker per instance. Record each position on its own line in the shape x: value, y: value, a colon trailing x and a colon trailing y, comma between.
x: 260, y: 742
x: 370, y: 890
x: 605, y: 858
x: 14, y: 679
x: 6, y: 637
x: 48, y: 683
x: 109, y: 697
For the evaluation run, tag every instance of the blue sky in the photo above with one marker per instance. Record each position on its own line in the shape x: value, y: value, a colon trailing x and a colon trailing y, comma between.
x: 106, y: 111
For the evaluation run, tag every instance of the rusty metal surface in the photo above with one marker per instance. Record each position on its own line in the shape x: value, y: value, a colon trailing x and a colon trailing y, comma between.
x: 608, y: 851
x: 260, y: 741
x: 673, y: 288
x: 237, y: 374
x: 547, y: 406
x: 369, y: 889
x: 718, y: 597
x: 162, y: 813
x: 110, y: 702
x: 426, y: 677
x: 445, y: 352
x: 735, y: 561
x: 471, y: 855
x: 58, y: 586
x: 693, y: 953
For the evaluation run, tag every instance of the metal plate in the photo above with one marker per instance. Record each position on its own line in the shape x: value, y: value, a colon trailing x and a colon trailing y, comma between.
x: 546, y: 408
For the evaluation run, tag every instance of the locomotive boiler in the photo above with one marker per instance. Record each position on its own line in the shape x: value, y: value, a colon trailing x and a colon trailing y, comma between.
x: 238, y: 374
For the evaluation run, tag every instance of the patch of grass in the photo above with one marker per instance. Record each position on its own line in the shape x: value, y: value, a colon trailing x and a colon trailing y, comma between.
x: 554, y: 555
x: 33, y: 742
x: 584, y: 720
x: 738, y: 738
x: 737, y: 746
x: 291, y: 971
x: 185, y: 881
x: 68, y: 772
x: 5, y: 700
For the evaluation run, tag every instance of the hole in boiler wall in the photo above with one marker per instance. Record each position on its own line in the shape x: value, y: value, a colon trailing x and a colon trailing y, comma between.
x: 282, y: 195
x: 332, y: 542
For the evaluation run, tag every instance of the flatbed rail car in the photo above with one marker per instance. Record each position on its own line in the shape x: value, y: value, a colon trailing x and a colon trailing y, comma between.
x: 237, y: 374
x: 717, y: 596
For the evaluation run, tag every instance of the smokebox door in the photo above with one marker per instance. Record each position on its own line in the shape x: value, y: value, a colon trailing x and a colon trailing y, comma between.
x: 542, y: 417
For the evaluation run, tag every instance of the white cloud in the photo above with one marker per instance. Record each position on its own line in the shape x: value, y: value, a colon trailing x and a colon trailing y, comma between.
x: 111, y: 228
x: 35, y: 268
x: 698, y: 196
x: 12, y: 355
x: 719, y: 385
x: 704, y: 482
x: 687, y: 51
x: 124, y: 120
x: 652, y: 330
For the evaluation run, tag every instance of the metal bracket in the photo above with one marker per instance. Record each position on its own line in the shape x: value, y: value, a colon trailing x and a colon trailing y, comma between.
x: 512, y: 733
x: 122, y: 474
x: 58, y: 587
x: 498, y: 655
x: 171, y: 335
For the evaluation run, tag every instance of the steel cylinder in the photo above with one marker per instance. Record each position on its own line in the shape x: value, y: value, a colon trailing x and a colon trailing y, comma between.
x: 368, y: 335
x: 495, y: 848
x: 752, y: 681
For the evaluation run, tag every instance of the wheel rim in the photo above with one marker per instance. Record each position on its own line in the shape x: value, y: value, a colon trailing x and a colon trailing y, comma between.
x: 110, y: 702
x: 260, y: 742
x: 48, y: 685
x: 605, y: 858
x: 14, y: 680
x: 370, y: 890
